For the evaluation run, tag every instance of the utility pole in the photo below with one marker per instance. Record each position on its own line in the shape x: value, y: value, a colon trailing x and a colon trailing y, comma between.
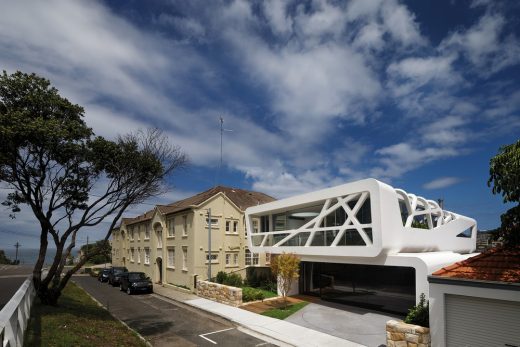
x: 17, y: 245
x: 221, y: 151
x: 209, y: 244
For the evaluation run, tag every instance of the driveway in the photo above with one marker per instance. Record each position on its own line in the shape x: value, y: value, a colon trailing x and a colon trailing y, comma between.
x: 352, y: 323
x: 165, y: 322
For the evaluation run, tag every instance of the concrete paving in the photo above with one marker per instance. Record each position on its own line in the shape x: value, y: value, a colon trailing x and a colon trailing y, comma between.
x: 352, y: 323
x: 283, y: 332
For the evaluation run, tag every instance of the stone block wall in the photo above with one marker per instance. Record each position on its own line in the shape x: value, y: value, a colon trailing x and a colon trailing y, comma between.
x: 218, y: 292
x: 400, y: 334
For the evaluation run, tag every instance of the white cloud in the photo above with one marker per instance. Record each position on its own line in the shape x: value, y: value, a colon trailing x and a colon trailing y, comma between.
x: 441, y: 182
x: 483, y: 45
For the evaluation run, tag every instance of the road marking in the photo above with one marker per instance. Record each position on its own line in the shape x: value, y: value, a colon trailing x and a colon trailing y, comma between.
x: 214, y: 332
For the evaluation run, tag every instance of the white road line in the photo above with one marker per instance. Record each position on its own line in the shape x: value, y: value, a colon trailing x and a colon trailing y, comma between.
x: 214, y: 332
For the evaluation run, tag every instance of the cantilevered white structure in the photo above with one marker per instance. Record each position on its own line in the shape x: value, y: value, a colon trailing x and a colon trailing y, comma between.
x: 364, y: 237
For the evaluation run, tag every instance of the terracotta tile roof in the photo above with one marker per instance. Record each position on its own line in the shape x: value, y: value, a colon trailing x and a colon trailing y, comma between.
x: 146, y: 216
x: 497, y: 264
x: 240, y: 197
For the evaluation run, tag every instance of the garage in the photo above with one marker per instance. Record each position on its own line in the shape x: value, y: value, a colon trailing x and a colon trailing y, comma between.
x: 479, y: 322
x: 476, y: 302
x: 383, y: 288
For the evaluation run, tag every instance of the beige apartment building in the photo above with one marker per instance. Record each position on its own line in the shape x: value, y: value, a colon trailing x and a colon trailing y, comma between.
x: 170, y: 242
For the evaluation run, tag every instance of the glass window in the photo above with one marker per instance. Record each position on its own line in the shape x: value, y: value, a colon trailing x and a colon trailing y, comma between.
x: 214, y: 222
x: 184, y: 225
x: 147, y: 255
x: 159, y: 239
x: 214, y: 257
x: 132, y: 254
x: 171, y: 257
x: 139, y: 255
x: 255, y: 226
x: 235, y: 226
x: 147, y: 232
x: 264, y: 224
x: 255, y: 258
x: 185, y: 258
x: 170, y: 224
x: 235, y: 259
x: 351, y: 237
x: 227, y: 225
x: 228, y: 258
x: 268, y: 258
x: 248, y: 257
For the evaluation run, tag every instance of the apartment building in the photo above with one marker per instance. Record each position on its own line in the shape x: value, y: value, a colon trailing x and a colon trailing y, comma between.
x: 170, y: 242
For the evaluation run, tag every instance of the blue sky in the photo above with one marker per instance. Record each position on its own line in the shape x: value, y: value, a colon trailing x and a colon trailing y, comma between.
x: 418, y: 94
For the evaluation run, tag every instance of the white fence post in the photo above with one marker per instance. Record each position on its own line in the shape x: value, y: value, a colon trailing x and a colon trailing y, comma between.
x: 15, y: 315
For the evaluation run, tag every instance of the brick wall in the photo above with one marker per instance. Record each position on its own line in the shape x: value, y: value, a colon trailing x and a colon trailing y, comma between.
x: 220, y: 293
x: 400, y: 334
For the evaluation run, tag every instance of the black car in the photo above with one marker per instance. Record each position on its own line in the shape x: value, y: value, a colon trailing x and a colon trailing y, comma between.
x: 132, y: 282
x: 114, y: 276
x: 103, y: 275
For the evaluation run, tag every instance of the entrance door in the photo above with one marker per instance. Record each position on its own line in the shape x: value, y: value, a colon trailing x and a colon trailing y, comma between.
x: 159, y: 269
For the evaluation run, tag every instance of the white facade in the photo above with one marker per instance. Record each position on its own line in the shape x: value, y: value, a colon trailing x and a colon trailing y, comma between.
x: 364, y: 222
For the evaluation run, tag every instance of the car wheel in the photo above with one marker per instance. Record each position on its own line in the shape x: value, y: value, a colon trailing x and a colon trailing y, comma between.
x: 128, y: 291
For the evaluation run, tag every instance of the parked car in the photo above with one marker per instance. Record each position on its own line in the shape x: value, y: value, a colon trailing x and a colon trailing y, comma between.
x: 103, y: 275
x: 114, y: 276
x: 132, y: 282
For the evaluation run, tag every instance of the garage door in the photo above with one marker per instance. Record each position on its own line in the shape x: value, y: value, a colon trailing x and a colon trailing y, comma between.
x: 478, y: 322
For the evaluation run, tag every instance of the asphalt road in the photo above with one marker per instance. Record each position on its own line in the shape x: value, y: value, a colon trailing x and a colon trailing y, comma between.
x: 11, y: 278
x: 165, y: 322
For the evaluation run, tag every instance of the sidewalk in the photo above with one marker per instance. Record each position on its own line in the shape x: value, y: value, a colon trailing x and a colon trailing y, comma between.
x: 279, y: 330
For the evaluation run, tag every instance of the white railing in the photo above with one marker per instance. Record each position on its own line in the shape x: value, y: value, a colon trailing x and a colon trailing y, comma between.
x: 15, y: 315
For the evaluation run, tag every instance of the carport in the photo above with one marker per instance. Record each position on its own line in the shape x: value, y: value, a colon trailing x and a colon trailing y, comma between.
x: 374, y: 287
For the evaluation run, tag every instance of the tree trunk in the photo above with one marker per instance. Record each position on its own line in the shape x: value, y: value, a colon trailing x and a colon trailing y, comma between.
x: 49, y: 296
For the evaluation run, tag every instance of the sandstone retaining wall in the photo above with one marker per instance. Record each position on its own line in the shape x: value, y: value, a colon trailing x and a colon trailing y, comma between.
x: 220, y: 293
x: 400, y: 334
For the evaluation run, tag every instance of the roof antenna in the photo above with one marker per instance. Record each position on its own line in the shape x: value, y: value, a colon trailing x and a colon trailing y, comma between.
x: 221, y: 136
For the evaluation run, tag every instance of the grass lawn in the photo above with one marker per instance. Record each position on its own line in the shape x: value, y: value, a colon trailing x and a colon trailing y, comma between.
x: 77, y: 321
x: 280, y: 313
x: 267, y: 293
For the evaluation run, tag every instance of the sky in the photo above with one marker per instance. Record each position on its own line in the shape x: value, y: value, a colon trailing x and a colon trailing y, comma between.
x: 417, y: 94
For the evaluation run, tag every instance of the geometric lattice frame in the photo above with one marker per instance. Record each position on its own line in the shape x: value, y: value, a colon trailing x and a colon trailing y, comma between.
x: 313, y: 226
x: 419, y: 206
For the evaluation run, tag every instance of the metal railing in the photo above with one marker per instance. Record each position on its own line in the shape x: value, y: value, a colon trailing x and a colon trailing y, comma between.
x: 14, y: 317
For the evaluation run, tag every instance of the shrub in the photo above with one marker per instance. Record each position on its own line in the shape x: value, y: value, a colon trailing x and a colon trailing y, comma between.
x: 234, y: 280
x: 269, y: 286
x: 251, y: 294
x: 221, y: 277
x: 419, y: 314
x: 257, y: 275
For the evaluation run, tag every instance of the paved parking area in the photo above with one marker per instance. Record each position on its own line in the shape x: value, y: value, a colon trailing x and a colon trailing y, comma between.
x: 165, y: 322
x: 352, y: 323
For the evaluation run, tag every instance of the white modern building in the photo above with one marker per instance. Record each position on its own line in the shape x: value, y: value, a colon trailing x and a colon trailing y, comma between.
x: 364, y: 242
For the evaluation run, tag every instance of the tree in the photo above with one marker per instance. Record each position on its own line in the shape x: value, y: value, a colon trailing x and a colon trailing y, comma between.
x: 69, y: 178
x: 286, y: 268
x: 504, y: 177
x: 4, y: 260
x: 101, y: 249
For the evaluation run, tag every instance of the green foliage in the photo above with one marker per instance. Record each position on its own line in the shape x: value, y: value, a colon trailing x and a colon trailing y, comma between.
x: 269, y: 286
x: 286, y: 267
x: 252, y: 294
x: 282, y: 313
x: 504, y: 177
x: 420, y: 313
x: 221, y: 277
x: 233, y: 280
x: 420, y: 224
x: 256, y: 276
x: 101, y: 249
x: 504, y: 172
x: 510, y: 228
x: 53, y: 163
x: 4, y: 260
